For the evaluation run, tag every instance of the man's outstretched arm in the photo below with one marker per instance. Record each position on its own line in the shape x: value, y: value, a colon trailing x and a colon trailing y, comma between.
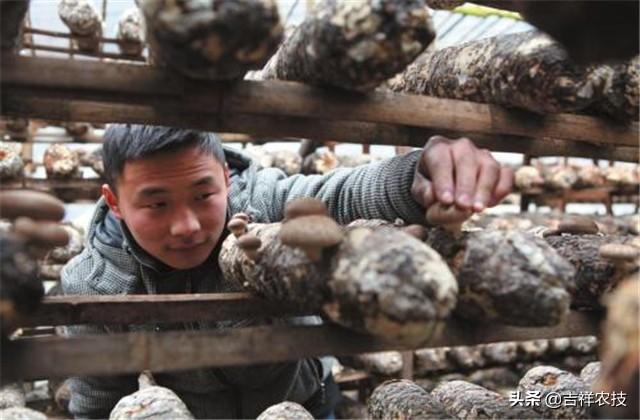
x: 450, y: 171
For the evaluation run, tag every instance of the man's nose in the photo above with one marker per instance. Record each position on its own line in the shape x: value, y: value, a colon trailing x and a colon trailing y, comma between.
x: 185, y: 223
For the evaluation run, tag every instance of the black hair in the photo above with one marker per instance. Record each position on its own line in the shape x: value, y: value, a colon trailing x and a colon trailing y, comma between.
x: 125, y: 142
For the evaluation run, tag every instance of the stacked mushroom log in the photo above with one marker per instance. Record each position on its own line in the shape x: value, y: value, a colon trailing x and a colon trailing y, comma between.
x: 601, y: 261
x: 453, y: 399
x: 553, y: 386
x: 510, y: 277
x: 150, y: 401
x: 382, y: 281
x: 464, y: 400
x: 495, y: 366
x: 523, y: 70
x: 385, y: 364
x: 33, y: 234
x: 403, y: 399
x: 11, y: 163
x: 83, y: 22
x: 131, y: 35
x: 353, y: 45
x: 61, y: 162
x: 590, y: 30
x: 285, y: 411
x: 212, y: 39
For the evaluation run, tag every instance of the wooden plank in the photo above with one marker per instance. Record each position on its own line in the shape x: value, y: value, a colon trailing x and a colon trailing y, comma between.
x: 310, y: 128
x: 136, y: 309
x: 75, y: 51
x: 179, y: 350
x: 124, y: 84
x: 64, y: 35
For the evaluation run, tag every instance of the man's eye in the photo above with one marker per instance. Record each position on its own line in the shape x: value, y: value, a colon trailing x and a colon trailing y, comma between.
x: 204, y: 196
x: 155, y: 206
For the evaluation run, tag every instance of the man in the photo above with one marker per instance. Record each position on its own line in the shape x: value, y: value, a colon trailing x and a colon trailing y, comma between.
x: 160, y: 223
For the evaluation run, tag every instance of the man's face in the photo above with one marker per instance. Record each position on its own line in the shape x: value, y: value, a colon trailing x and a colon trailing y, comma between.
x: 174, y: 204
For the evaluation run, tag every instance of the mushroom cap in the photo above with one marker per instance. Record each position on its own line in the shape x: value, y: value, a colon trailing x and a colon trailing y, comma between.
x: 620, y: 252
x: 311, y: 231
x: 32, y: 204
x: 305, y: 206
x: 236, y: 223
x: 41, y: 233
x: 439, y: 214
x: 249, y: 241
x: 241, y: 216
x: 578, y: 225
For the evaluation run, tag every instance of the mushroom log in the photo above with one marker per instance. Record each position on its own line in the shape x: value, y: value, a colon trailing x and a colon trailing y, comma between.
x: 507, y: 276
x: 523, y: 70
x: 601, y: 261
x: 379, y: 280
x: 403, y: 399
x: 464, y: 400
x: 212, y: 39
x: 354, y: 45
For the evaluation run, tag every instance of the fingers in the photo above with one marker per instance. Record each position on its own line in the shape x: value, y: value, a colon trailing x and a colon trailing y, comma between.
x: 488, y: 176
x: 503, y: 186
x: 465, y: 159
x: 422, y: 191
x: 456, y: 171
x: 437, y: 164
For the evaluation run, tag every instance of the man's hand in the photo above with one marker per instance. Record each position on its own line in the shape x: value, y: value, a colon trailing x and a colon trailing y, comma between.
x: 456, y: 171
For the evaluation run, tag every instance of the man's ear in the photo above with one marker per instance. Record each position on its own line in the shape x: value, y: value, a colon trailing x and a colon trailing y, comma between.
x: 227, y: 180
x: 112, y: 200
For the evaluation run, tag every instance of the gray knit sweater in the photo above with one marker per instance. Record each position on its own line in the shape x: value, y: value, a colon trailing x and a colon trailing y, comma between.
x: 112, y: 263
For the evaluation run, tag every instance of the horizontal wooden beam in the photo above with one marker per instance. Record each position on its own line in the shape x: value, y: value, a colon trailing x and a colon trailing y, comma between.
x: 21, y: 103
x: 76, y: 51
x: 133, y: 352
x: 136, y: 309
x: 64, y: 35
x: 130, y: 84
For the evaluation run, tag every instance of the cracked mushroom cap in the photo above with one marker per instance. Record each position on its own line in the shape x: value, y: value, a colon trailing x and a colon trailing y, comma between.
x: 315, y: 231
x: 305, y: 206
x: 441, y: 215
x: 619, y: 252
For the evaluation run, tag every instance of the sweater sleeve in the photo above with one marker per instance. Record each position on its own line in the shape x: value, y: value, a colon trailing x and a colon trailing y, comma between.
x: 380, y: 190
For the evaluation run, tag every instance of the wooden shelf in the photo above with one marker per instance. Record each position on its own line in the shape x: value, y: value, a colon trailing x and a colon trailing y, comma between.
x: 32, y: 358
x: 109, y: 92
